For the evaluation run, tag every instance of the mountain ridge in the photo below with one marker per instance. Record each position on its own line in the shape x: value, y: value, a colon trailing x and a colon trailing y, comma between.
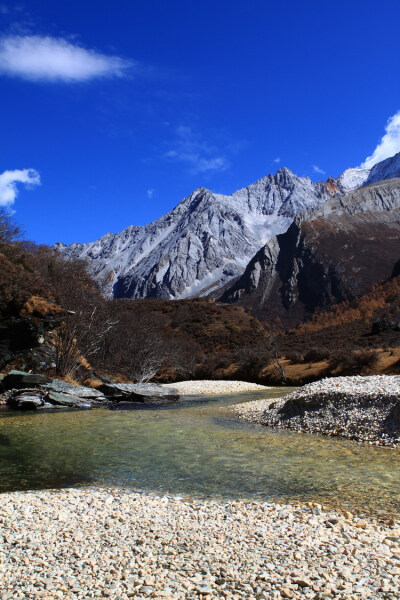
x: 206, y: 240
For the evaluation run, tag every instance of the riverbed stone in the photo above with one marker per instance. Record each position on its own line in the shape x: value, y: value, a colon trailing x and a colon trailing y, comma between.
x: 189, y: 549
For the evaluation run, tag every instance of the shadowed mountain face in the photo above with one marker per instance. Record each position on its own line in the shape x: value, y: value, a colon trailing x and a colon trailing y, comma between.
x: 330, y: 253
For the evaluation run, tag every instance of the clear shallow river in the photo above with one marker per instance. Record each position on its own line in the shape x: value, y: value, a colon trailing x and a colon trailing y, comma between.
x: 197, y: 448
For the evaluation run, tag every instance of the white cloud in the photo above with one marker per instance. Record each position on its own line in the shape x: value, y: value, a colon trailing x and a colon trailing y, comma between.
x: 9, y: 181
x: 316, y: 169
x: 51, y: 59
x: 389, y: 144
x: 150, y: 193
x: 277, y: 160
x: 195, y: 152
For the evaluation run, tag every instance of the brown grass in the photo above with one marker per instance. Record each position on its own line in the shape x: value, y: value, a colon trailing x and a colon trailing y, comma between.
x: 37, y: 306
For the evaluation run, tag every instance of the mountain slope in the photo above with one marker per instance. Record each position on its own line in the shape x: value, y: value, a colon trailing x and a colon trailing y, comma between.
x: 386, y: 169
x: 330, y: 253
x: 202, y: 243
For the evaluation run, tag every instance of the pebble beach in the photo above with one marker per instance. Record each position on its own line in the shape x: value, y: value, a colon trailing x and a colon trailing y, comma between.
x: 94, y: 542
x: 211, y: 387
x: 115, y: 543
x: 364, y: 409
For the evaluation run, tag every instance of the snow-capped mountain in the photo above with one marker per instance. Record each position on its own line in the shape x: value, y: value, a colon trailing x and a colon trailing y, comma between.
x: 207, y: 239
x: 202, y: 243
x: 352, y: 179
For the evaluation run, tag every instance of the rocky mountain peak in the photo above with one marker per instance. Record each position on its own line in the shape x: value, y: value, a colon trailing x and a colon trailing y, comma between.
x: 208, y: 238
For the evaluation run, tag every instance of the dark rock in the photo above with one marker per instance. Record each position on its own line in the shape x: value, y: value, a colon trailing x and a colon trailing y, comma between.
x: 21, y: 380
x: 391, y: 424
x: 138, y: 392
x: 22, y: 337
x: 25, y: 399
x: 299, y: 406
x: 18, y: 333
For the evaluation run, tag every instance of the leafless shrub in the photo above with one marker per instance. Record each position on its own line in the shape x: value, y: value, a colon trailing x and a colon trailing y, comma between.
x: 294, y: 357
x: 316, y: 354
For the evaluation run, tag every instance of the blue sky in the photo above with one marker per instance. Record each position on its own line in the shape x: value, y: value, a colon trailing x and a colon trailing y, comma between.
x: 123, y: 107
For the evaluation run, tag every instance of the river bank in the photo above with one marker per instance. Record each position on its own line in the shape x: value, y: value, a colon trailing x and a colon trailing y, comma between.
x: 115, y: 543
x: 364, y: 409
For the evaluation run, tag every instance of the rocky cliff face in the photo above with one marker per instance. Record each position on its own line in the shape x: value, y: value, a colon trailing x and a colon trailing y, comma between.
x: 330, y: 253
x: 204, y: 242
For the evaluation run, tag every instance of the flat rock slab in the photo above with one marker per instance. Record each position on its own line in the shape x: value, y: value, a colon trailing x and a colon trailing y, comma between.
x: 57, y: 385
x: 138, y: 393
x: 66, y: 400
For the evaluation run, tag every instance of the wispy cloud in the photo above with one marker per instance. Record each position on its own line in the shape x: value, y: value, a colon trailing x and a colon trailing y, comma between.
x: 50, y: 59
x: 277, y: 160
x: 200, y: 156
x: 389, y: 144
x: 317, y: 169
x: 9, y: 181
x: 150, y: 193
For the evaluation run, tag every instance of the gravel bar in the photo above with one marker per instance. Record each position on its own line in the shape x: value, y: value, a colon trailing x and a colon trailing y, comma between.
x: 112, y: 543
x: 365, y: 409
x: 211, y: 387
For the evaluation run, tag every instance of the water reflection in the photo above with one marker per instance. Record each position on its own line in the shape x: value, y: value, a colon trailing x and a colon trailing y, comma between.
x: 196, y: 448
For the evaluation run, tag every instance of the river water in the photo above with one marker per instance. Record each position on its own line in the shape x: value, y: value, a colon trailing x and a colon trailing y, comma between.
x: 197, y: 448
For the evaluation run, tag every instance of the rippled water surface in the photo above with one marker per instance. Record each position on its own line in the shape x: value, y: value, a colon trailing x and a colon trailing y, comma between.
x: 197, y: 448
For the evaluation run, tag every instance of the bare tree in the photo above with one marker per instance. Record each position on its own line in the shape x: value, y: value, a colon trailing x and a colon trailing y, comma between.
x: 272, y: 332
x: 146, y: 350
x: 9, y: 230
x: 79, y: 338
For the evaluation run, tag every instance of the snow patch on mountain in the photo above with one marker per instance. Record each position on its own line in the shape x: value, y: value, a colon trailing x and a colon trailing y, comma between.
x: 351, y: 179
